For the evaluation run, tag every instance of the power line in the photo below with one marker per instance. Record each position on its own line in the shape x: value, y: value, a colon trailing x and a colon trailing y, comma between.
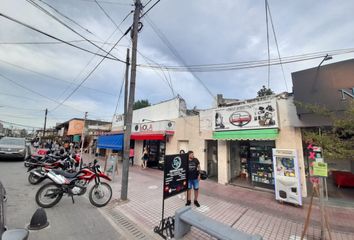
x: 231, y: 66
x: 268, y: 51
x: 21, y: 125
x: 29, y: 109
x: 175, y: 53
x: 67, y: 26
x: 149, y: 8
x: 91, y: 72
x: 35, y: 92
x: 58, y: 39
x: 108, y: 2
x: 51, y: 77
x: 55, y: 43
x: 71, y: 20
x: 145, y: 58
x: 276, y: 43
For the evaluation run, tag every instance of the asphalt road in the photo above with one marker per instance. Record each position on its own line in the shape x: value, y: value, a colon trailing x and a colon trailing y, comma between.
x: 67, y: 221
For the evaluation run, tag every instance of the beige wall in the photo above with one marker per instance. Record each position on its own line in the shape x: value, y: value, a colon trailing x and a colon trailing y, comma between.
x: 188, y: 133
x: 290, y: 137
x: 223, y: 162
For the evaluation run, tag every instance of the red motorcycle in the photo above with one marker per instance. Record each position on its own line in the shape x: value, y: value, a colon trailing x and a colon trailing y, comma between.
x: 75, y: 184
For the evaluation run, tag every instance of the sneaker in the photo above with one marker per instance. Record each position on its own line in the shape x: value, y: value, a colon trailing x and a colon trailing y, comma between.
x: 196, y: 203
x: 188, y: 203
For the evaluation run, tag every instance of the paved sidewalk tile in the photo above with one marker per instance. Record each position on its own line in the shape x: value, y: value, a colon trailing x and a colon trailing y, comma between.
x: 250, y: 211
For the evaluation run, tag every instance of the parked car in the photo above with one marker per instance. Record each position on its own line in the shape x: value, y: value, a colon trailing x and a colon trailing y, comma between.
x: 11, y: 148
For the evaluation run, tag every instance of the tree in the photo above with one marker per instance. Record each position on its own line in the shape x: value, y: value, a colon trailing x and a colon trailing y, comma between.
x: 337, y: 141
x: 264, y: 92
x: 141, y: 104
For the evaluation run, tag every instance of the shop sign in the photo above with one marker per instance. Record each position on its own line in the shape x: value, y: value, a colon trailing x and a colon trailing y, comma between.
x: 75, y: 127
x: 320, y: 169
x: 255, y: 115
x: 153, y: 126
x: 118, y: 121
x: 175, y: 175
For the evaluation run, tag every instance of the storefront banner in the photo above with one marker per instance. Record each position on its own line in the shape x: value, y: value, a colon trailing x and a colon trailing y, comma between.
x: 255, y: 115
x: 75, y: 127
x: 153, y: 126
x: 175, y: 175
x: 287, y: 176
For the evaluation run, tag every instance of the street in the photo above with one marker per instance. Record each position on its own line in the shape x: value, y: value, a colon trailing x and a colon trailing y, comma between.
x: 67, y: 221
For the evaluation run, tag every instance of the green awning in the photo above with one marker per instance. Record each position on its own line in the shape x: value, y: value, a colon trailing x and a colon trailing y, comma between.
x: 253, y: 134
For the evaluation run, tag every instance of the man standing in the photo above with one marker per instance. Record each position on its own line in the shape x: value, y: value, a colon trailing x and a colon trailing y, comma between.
x: 193, y: 178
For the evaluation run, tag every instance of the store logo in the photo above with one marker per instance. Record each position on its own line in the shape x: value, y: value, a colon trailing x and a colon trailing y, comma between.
x: 145, y: 127
x: 345, y: 92
x: 240, y: 119
x: 176, y: 163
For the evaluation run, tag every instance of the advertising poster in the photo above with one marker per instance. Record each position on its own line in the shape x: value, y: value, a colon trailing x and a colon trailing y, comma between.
x: 255, y: 115
x: 175, y: 175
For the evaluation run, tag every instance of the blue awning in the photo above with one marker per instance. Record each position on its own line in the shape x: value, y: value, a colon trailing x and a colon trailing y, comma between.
x: 114, y: 142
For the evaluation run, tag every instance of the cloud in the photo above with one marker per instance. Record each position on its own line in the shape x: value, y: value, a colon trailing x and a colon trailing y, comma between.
x: 216, y: 31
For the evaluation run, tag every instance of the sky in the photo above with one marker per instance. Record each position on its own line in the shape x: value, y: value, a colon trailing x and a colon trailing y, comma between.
x: 35, y: 76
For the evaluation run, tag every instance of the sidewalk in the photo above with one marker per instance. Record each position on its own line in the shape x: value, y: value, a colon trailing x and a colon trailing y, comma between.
x: 247, y: 210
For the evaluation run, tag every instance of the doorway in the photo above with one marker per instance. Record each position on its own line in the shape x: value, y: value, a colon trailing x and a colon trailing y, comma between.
x: 212, y: 159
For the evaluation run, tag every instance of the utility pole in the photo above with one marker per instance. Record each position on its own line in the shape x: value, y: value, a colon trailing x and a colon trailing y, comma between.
x: 83, y: 137
x: 129, y: 116
x: 45, y: 121
x: 126, y: 93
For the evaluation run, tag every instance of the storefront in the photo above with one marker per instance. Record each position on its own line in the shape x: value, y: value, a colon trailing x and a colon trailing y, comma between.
x: 247, y: 133
x: 153, y: 136
x: 110, y: 143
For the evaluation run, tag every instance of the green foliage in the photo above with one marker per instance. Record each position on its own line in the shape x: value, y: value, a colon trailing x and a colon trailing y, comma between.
x: 264, y: 92
x: 141, y: 104
x: 337, y: 142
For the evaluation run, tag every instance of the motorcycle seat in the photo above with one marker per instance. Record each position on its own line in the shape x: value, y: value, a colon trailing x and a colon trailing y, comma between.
x: 65, y: 174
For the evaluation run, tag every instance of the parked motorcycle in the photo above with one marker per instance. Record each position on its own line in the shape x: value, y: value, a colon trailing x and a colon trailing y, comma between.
x: 75, y: 184
x: 38, y: 171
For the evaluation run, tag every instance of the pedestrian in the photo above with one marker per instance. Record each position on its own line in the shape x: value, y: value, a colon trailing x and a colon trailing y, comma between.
x: 36, y: 145
x: 145, y: 157
x: 193, y: 178
x: 131, y: 156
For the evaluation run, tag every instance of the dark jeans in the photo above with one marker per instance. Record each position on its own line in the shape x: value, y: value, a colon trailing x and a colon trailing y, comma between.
x: 132, y: 160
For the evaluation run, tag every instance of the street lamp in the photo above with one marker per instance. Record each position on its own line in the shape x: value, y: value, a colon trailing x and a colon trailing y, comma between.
x: 327, y: 57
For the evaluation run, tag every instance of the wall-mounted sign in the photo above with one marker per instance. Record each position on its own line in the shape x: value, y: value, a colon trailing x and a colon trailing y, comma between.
x: 118, y: 121
x: 347, y: 93
x: 175, y: 175
x: 255, y: 115
x: 320, y: 169
x: 75, y: 127
x: 153, y: 126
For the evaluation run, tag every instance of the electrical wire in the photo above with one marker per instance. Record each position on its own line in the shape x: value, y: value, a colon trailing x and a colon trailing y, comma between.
x: 71, y: 20
x: 16, y: 124
x: 68, y: 27
x: 52, y: 77
x: 149, y: 8
x: 277, y: 45
x: 268, y: 50
x: 26, y: 109
x: 231, y: 66
x: 108, y: 2
x: 33, y: 91
x: 54, y: 43
x: 164, y: 39
x: 58, y: 39
x: 145, y: 58
x: 91, y: 72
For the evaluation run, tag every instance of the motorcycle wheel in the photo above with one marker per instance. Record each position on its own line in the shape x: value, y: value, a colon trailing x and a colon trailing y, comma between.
x: 100, y: 194
x: 26, y: 164
x: 34, y: 179
x: 50, y: 191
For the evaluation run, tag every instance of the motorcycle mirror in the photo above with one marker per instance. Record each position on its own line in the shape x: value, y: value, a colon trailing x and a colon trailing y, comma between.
x: 95, y: 161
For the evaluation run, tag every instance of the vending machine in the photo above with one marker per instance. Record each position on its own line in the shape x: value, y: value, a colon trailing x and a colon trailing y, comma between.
x: 287, y: 176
